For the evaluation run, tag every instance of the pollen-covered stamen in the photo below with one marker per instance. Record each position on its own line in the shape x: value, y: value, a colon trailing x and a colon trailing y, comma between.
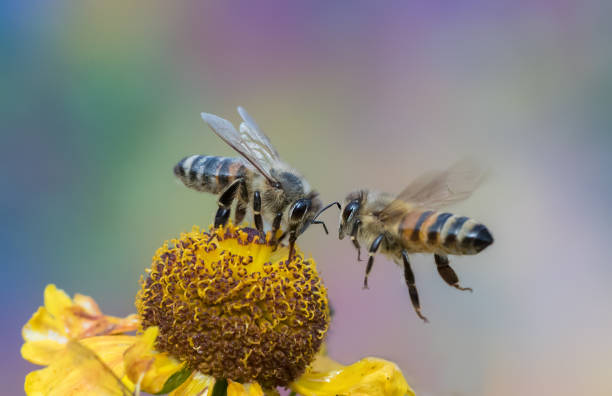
x: 232, y: 308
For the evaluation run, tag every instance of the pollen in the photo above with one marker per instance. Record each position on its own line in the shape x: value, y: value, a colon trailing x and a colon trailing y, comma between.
x: 233, y: 308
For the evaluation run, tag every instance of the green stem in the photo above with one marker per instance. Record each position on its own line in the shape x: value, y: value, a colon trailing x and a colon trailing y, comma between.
x: 220, y: 388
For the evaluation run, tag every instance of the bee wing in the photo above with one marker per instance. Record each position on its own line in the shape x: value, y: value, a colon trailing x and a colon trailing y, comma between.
x: 257, y: 141
x: 247, y: 147
x: 440, y: 188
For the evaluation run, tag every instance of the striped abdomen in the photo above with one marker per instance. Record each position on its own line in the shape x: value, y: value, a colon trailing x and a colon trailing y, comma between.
x: 208, y: 173
x: 429, y: 231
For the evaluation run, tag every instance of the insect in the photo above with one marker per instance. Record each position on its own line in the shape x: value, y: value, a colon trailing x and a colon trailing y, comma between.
x: 412, y: 222
x: 277, y: 193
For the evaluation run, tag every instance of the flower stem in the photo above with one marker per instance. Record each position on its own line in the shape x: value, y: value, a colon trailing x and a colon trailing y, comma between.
x: 220, y: 388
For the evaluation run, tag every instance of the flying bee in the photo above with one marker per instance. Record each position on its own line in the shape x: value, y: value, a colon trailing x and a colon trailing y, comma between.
x: 277, y: 193
x: 412, y: 222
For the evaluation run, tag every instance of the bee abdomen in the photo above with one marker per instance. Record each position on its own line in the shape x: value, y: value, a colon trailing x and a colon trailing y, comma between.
x: 209, y: 173
x: 431, y: 231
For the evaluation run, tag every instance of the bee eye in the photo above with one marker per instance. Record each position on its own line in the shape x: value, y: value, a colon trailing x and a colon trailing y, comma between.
x: 299, y: 209
x: 351, y: 208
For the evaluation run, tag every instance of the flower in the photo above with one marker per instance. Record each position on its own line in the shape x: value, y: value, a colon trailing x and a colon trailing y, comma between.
x: 62, y: 319
x: 220, y: 312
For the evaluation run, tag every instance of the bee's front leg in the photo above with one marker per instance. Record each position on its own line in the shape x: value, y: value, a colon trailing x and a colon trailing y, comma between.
x: 373, y: 249
x: 354, y: 238
x: 279, y: 240
x: 225, y: 202
x: 292, y: 239
x: 257, y: 213
x: 275, y: 226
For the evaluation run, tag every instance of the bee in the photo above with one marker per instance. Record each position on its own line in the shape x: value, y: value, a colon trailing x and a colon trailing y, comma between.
x: 277, y: 193
x: 412, y: 222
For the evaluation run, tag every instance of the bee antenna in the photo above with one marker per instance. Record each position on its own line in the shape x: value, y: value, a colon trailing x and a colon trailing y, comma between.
x: 315, y: 221
x: 325, y: 208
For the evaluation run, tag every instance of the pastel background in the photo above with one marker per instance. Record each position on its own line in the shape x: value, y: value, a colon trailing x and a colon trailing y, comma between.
x: 99, y: 100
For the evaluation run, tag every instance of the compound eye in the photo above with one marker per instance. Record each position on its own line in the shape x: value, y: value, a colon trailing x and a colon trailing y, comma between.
x: 351, y: 208
x: 300, y: 207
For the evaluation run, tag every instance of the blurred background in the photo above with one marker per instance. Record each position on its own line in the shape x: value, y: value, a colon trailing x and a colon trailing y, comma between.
x: 100, y: 100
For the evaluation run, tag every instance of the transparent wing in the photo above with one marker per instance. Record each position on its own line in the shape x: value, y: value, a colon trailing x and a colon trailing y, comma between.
x: 247, y: 148
x: 257, y: 141
x: 440, y: 188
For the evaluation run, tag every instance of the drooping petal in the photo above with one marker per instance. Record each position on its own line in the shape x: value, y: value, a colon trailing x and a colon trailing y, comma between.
x: 110, y: 350
x: 44, y: 335
x: 41, y: 352
x: 147, y: 367
x: 369, y: 376
x: 62, y: 319
x: 86, y: 309
x: 88, y: 304
x: 76, y: 370
x: 197, y: 384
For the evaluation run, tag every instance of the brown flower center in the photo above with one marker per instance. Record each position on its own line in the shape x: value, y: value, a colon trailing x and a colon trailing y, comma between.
x: 232, y: 308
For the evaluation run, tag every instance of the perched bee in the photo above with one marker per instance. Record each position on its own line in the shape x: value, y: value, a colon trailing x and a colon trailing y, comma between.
x: 277, y: 193
x: 412, y: 223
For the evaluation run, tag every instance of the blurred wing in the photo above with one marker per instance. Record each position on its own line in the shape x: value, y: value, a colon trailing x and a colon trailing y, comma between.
x: 437, y: 189
x: 391, y: 212
x: 256, y: 140
x: 226, y: 131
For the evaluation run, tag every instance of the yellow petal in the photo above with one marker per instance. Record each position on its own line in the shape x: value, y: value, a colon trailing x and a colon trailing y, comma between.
x: 75, y: 371
x: 44, y: 326
x: 147, y: 367
x: 238, y: 389
x: 110, y: 350
x: 87, y: 309
x: 197, y: 384
x: 44, y: 335
x: 56, y: 300
x: 369, y: 376
x: 88, y: 304
x: 41, y: 352
x: 62, y: 319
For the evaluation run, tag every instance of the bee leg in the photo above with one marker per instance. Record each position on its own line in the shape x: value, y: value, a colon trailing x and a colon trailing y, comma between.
x: 354, y: 239
x: 225, y: 203
x: 373, y: 249
x: 239, y: 213
x: 447, y: 273
x: 257, y: 212
x: 414, y: 295
x: 280, y: 239
x: 292, y: 238
x: 275, y: 226
x: 241, y: 205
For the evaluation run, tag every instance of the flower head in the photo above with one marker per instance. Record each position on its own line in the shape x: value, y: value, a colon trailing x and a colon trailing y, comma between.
x: 230, y: 307
x: 219, y: 311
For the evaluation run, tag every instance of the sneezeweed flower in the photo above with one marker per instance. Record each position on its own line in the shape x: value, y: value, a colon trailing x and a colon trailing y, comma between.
x: 219, y: 312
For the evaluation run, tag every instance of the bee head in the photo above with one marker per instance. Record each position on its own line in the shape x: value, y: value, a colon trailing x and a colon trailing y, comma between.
x: 303, y: 211
x: 349, y: 214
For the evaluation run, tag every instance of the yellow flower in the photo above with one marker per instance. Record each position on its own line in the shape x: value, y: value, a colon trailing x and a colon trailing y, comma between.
x: 62, y: 319
x: 221, y: 312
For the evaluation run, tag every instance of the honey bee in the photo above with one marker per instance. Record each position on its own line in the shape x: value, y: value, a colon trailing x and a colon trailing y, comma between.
x: 412, y: 222
x: 278, y: 194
